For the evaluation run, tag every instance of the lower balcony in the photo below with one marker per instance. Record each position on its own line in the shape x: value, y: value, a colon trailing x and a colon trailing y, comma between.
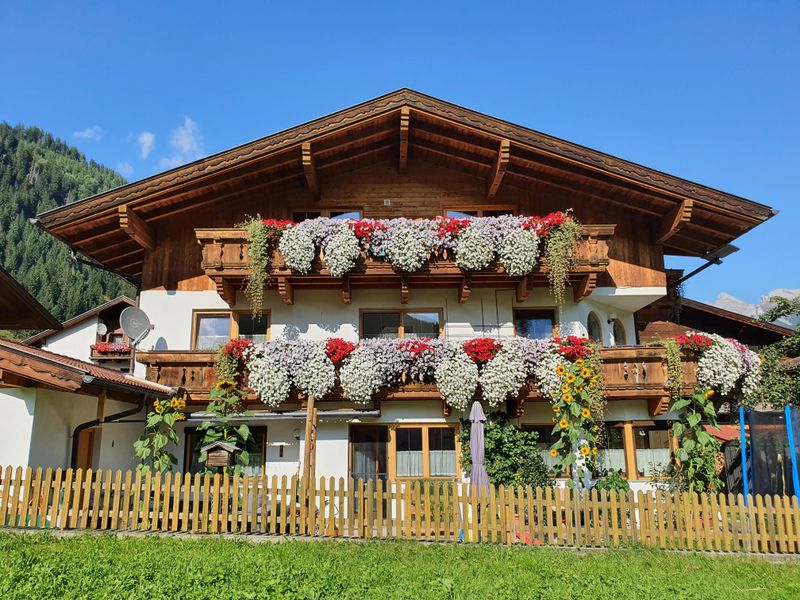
x: 631, y: 372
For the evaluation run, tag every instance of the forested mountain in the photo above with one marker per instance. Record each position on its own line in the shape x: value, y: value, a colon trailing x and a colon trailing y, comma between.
x: 39, y: 172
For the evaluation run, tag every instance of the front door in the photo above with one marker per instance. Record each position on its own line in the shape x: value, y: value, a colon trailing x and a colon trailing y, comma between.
x: 85, y: 445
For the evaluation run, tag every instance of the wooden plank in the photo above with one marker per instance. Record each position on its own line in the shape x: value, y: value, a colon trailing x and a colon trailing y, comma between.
x: 195, y: 519
x: 177, y: 485
x: 135, y: 227
x: 499, y: 169
x: 673, y: 221
x: 290, y: 503
x: 63, y: 518
x: 14, y: 497
x: 136, y: 499
x: 761, y: 520
x: 206, y: 513
x: 254, y: 498
x: 6, y: 494
x: 340, y: 520
x: 75, y: 501
x: 405, y: 122
x: 727, y: 523
x: 39, y: 497
x: 105, y: 520
x: 27, y: 489
x: 322, y: 493
x: 310, y: 170
x: 293, y: 506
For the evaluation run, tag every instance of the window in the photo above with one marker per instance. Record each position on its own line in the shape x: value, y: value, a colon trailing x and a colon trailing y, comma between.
x: 211, y: 330
x: 653, y: 448
x: 534, y: 324
x: 333, y: 213
x: 611, y: 451
x: 401, y: 323
x: 488, y: 210
x: 257, y: 447
x: 593, y: 328
x: 402, y: 452
x: 544, y: 440
x: 620, y: 339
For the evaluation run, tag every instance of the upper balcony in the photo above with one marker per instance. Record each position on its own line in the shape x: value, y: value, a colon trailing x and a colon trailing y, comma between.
x: 225, y: 260
x: 631, y: 372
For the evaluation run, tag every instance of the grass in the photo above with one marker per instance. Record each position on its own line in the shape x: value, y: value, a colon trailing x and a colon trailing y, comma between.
x: 42, y: 566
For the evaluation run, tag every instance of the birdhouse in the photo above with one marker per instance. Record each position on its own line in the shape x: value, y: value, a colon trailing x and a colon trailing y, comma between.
x: 219, y: 453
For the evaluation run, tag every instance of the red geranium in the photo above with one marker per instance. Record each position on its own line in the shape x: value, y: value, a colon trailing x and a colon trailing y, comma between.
x: 365, y: 228
x: 111, y: 348
x: 339, y: 349
x: 482, y: 350
x: 450, y: 226
x: 415, y: 346
x: 542, y: 226
x: 235, y: 348
x: 573, y: 347
x: 279, y: 224
x: 693, y: 341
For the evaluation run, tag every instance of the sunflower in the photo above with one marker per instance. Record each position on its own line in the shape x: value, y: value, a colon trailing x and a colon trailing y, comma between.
x: 585, y: 372
x: 567, y: 397
x: 563, y: 423
x: 159, y: 409
x: 586, y: 413
x: 226, y: 385
x: 564, y: 388
x: 595, y: 379
x: 570, y: 378
x: 560, y: 370
x: 173, y: 403
x: 578, y: 388
x: 579, y: 362
x: 709, y: 393
x: 585, y: 450
x: 556, y: 409
x: 595, y: 427
x: 553, y: 453
x: 594, y: 451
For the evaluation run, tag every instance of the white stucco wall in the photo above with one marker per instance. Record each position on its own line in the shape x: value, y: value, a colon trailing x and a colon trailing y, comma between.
x: 57, y: 415
x: 16, y: 426
x: 76, y: 341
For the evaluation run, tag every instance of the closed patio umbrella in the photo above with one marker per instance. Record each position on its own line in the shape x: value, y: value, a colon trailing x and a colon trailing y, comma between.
x: 479, y: 479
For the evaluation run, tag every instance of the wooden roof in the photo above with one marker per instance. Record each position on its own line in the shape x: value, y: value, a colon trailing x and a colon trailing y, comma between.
x: 97, y: 310
x: 689, y: 219
x: 20, y: 310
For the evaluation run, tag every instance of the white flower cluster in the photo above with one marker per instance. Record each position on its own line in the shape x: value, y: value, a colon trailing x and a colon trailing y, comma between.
x: 751, y: 382
x: 519, y: 252
x: 503, y: 376
x: 457, y: 379
x: 547, y: 380
x: 406, y: 250
x: 342, y: 251
x: 297, y: 248
x: 473, y: 253
x: 316, y: 375
x: 268, y: 378
x: 361, y: 376
x: 720, y: 366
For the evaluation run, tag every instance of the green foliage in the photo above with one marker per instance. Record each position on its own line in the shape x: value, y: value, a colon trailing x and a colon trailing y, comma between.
x: 613, y: 482
x: 672, y: 358
x: 225, y: 403
x: 511, y: 456
x: 226, y: 366
x: 159, y: 432
x: 39, y: 172
x: 259, y: 262
x: 560, y: 248
x: 780, y: 385
x: 694, y: 466
x: 782, y: 307
x: 92, y: 566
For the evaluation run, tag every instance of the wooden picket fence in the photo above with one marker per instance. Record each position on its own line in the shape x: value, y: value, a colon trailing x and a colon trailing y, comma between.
x: 419, y: 510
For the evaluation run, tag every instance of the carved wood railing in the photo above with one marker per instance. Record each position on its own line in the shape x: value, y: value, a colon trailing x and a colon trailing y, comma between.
x: 225, y: 260
x: 631, y: 372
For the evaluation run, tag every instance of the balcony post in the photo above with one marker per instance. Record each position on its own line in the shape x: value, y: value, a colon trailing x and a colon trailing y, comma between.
x: 310, y: 450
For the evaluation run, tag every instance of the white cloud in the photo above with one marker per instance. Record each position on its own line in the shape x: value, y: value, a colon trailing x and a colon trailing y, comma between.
x: 146, y: 141
x: 94, y: 133
x: 125, y: 169
x: 732, y: 303
x: 187, y: 143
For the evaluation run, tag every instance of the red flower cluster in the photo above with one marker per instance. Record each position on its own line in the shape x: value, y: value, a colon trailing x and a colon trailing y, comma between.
x: 338, y: 349
x: 279, y: 224
x: 451, y: 226
x: 365, y: 228
x: 542, y: 226
x: 693, y: 341
x: 573, y: 347
x: 111, y: 348
x: 235, y: 348
x: 482, y: 350
x: 415, y: 346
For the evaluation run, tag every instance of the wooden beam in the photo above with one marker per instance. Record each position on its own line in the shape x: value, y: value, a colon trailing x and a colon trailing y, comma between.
x: 673, y: 221
x: 584, y: 287
x: 346, y: 290
x: 285, y: 290
x: 498, y: 169
x: 403, y: 289
x: 308, y: 442
x: 135, y: 226
x: 522, y: 289
x: 464, y: 289
x: 225, y: 290
x: 658, y: 406
x: 405, y: 119
x: 310, y: 170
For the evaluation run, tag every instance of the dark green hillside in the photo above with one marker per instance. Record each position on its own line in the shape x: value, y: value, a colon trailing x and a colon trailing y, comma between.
x: 39, y: 172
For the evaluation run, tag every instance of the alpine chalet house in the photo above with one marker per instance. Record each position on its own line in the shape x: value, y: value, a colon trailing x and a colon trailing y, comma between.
x: 400, y: 259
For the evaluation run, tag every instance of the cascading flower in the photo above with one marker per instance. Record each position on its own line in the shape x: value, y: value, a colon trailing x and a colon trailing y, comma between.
x: 519, y: 252
x: 474, y: 252
x: 457, y: 379
x: 297, y: 248
x: 342, y: 251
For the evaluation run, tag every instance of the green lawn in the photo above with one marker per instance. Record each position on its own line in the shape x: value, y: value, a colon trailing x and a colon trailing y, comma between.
x: 39, y: 566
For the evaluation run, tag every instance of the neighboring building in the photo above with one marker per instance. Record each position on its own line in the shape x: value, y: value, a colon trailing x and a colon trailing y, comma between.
x: 94, y: 336
x: 20, y: 310
x: 410, y: 155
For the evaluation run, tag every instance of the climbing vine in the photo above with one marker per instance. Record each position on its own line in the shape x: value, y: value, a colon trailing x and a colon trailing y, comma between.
x: 672, y: 360
x: 264, y: 235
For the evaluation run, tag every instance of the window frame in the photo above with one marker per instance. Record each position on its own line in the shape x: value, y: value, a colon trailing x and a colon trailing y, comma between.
x: 618, y: 322
x: 594, y: 314
x: 326, y: 212
x: 233, y: 323
x: 391, y: 450
x: 634, y: 425
x: 402, y: 311
x: 552, y: 309
x: 480, y: 208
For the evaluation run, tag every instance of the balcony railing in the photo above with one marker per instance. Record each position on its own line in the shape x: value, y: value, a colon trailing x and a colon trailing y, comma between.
x: 631, y: 372
x: 225, y: 259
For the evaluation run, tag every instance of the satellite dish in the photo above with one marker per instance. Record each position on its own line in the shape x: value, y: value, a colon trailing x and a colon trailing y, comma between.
x: 135, y: 324
x: 101, y: 328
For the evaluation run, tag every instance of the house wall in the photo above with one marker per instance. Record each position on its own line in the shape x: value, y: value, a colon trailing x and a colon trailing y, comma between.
x: 19, y: 407
x: 76, y: 341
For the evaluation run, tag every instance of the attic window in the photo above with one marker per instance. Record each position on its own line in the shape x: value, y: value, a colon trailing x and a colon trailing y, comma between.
x: 487, y: 210
x: 333, y: 213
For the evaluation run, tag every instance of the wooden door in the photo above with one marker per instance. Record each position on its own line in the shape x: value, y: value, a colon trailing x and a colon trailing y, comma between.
x: 85, y: 445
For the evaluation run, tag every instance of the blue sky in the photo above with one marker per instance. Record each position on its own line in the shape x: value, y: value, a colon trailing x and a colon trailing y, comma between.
x: 709, y: 91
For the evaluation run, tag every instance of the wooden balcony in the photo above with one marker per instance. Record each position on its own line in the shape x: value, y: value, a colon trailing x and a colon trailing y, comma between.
x: 631, y: 372
x: 106, y: 357
x: 225, y: 260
